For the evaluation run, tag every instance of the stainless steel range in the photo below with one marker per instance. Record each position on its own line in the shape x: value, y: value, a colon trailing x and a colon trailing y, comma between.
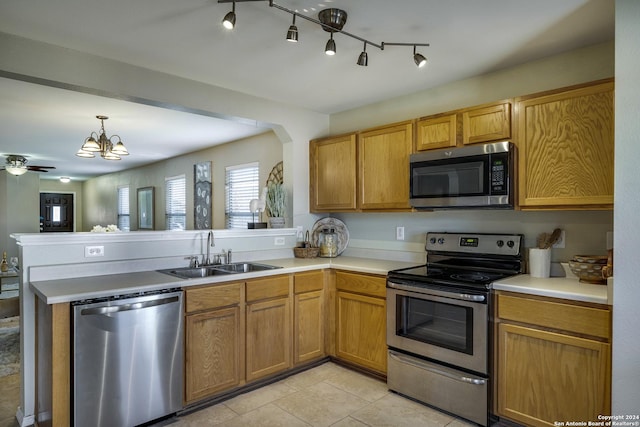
x: 438, y: 321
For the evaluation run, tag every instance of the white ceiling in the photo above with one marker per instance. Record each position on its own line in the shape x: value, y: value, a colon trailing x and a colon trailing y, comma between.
x: 186, y: 38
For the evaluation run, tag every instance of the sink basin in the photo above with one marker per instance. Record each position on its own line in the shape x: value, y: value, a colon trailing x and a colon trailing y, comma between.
x: 244, y: 267
x: 215, y: 270
x: 193, y: 273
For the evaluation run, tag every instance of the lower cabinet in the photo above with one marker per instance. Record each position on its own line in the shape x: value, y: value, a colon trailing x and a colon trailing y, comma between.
x: 553, y: 361
x: 214, y: 340
x: 268, y: 327
x: 309, y: 317
x: 361, y: 320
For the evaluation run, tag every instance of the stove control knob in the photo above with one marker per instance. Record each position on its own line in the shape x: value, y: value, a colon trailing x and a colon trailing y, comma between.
x: 441, y: 240
x: 432, y: 240
x: 500, y: 243
x: 511, y: 243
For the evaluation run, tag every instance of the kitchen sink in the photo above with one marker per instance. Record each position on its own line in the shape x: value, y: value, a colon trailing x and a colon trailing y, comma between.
x: 217, y: 270
x: 244, y: 267
x: 194, y: 272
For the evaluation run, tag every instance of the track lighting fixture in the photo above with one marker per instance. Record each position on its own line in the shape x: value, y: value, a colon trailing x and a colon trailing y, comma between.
x: 292, y: 33
x: 363, y: 59
x: 331, y: 20
x: 419, y: 59
x: 229, y: 20
x: 330, y: 49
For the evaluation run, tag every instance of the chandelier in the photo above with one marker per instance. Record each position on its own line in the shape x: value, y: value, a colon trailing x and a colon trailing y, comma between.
x: 95, y: 143
x: 332, y: 21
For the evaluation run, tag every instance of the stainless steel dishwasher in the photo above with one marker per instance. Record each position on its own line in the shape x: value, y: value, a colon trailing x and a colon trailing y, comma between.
x: 127, y: 359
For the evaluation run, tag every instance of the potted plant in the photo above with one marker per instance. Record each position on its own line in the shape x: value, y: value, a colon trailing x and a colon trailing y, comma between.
x: 276, y: 200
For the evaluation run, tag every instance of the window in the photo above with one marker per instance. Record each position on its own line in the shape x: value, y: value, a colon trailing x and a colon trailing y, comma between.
x: 176, y: 203
x: 123, y: 208
x: 241, y: 186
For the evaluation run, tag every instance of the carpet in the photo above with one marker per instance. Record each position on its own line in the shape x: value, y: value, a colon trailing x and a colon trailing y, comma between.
x: 9, y: 346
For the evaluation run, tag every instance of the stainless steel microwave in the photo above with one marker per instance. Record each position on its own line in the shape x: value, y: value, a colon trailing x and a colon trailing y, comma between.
x: 477, y: 176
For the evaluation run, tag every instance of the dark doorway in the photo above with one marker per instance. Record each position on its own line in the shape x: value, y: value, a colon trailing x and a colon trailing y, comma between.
x: 56, y: 212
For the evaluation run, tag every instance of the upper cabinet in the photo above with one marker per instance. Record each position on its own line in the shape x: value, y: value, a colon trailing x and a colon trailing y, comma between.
x: 364, y: 171
x: 484, y: 123
x: 566, y: 148
x: 332, y: 163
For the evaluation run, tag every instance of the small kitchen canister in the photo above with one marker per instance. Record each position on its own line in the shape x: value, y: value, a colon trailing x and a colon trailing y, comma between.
x: 539, y: 262
x: 328, y: 243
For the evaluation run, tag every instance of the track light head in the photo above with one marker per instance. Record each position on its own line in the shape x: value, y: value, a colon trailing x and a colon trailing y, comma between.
x: 292, y: 33
x: 330, y: 49
x: 229, y: 20
x: 419, y: 59
x: 363, y: 59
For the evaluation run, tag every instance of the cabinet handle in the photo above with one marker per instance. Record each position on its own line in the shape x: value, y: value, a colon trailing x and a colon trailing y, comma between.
x: 428, y: 367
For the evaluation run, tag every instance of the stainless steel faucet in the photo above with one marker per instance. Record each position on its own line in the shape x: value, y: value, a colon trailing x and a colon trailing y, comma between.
x: 210, y: 243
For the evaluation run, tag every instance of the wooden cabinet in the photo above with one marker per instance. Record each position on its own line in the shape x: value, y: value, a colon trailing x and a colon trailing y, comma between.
x: 383, y: 166
x: 483, y: 123
x: 309, y: 319
x: 361, y: 320
x: 268, y: 326
x: 214, y: 340
x: 566, y: 148
x: 332, y: 164
x: 553, y: 360
x: 364, y: 171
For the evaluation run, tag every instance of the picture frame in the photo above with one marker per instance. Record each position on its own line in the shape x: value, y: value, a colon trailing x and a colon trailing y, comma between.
x: 145, y: 208
x: 202, y: 189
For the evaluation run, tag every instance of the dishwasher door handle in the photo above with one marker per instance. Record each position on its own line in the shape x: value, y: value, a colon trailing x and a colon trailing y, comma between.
x: 128, y: 307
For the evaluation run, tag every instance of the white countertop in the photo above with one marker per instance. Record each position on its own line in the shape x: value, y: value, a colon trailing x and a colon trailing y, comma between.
x: 77, y: 289
x: 556, y: 287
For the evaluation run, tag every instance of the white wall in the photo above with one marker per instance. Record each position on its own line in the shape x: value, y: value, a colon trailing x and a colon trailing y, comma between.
x: 19, y: 208
x: 626, y: 291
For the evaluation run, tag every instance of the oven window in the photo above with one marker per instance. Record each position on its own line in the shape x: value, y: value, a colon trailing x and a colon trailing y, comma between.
x: 454, y: 178
x: 444, y: 325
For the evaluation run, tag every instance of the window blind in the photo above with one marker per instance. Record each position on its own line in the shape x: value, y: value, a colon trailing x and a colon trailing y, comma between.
x: 124, y: 219
x: 241, y: 186
x: 175, y: 203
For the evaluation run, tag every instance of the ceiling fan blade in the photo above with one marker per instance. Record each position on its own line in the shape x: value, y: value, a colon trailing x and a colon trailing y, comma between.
x: 36, y: 169
x: 40, y: 167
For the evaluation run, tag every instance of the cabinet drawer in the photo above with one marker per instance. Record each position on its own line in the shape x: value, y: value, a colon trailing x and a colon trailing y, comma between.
x: 212, y: 296
x: 277, y: 286
x: 556, y: 315
x: 358, y: 283
x: 307, y: 282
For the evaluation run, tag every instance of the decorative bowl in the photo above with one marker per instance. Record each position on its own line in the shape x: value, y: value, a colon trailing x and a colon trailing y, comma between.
x: 591, y: 259
x: 587, y: 272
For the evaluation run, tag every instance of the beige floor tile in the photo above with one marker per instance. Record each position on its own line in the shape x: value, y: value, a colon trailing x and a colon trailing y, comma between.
x: 266, y: 416
x: 457, y: 422
x: 396, y: 411
x: 212, y: 416
x: 10, y: 398
x: 367, y: 388
x: 349, y: 422
x: 254, y: 399
x: 321, y: 404
x: 313, y: 376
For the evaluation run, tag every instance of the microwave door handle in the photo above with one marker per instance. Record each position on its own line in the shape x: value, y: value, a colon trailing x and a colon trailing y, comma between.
x: 427, y: 367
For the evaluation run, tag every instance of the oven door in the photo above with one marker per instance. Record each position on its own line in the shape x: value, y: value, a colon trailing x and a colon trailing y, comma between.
x: 448, y: 327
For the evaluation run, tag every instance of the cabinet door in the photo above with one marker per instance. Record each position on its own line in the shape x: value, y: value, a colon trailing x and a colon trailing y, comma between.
x: 490, y: 123
x: 565, y: 143
x: 383, y: 160
x: 545, y: 377
x: 214, y: 352
x: 361, y: 330
x: 332, y: 163
x: 268, y: 337
x: 436, y: 132
x: 308, y: 335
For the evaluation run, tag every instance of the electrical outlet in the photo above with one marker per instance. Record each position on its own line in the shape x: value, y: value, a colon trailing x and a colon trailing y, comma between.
x: 279, y: 241
x: 560, y: 243
x: 299, y: 232
x: 92, y: 251
x: 399, y: 233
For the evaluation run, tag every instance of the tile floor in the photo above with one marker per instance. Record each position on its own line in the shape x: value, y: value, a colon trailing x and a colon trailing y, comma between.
x: 327, y: 395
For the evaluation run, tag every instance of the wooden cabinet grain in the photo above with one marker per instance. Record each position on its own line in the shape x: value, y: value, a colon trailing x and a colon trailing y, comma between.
x: 309, y: 316
x: 553, y: 360
x: 268, y: 327
x: 566, y: 148
x: 361, y: 320
x: 214, y: 340
x: 332, y: 164
x: 437, y: 131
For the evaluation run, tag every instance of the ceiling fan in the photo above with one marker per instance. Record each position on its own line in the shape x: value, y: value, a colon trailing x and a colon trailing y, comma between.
x: 17, y: 165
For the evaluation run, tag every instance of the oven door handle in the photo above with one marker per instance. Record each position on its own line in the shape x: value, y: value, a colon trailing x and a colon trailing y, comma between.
x: 430, y: 368
x: 459, y: 296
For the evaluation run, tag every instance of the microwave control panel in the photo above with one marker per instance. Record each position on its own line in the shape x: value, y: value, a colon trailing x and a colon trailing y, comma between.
x: 499, y: 173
